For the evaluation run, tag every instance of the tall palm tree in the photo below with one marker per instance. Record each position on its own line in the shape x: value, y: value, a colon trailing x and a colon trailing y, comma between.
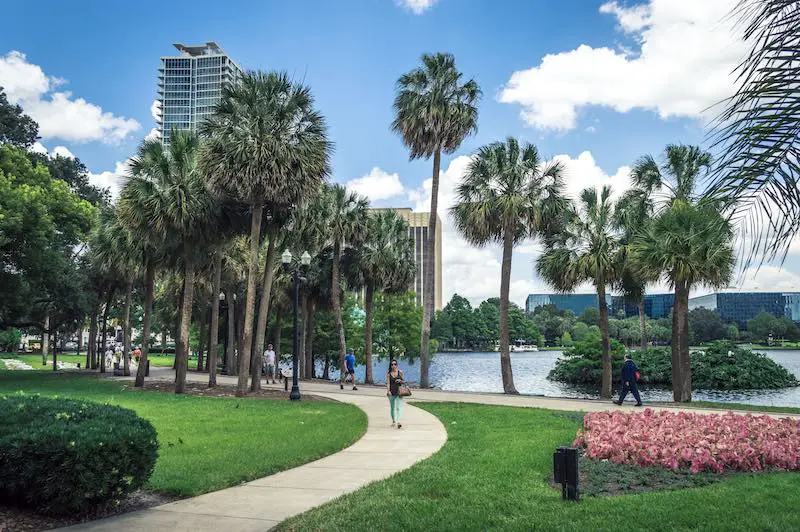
x: 587, y: 251
x: 758, y: 132
x: 346, y: 227
x: 507, y: 195
x: 266, y: 143
x: 434, y: 112
x: 383, y: 262
x: 689, y: 241
x: 167, y: 184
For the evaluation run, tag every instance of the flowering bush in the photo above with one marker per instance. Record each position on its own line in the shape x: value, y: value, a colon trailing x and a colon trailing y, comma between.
x: 700, y: 442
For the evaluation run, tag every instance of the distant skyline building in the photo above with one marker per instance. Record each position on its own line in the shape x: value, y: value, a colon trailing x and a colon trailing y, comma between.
x: 190, y: 84
x: 577, y: 303
x: 418, y: 231
x: 656, y: 306
x: 740, y: 307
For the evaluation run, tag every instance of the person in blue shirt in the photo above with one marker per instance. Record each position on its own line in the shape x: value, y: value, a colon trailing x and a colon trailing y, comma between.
x: 629, y: 371
x: 349, y: 370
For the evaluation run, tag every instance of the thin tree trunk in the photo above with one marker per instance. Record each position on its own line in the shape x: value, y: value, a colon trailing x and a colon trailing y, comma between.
x: 182, y: 344
x: 126, y: 332
x: 369, y: 305
x: 605, y: 390
x: 92, y: 351
x: 103, y: 335
x: 337, y: 306
x: 55, y: 343
x: 163, y: 340
x: 80, y: 337
x: 276, y: 340
x: 201, y: 338
x: 642, y: 325
x: 505, y: 285
x: 46, y: 338
x: 149, y: 283
x: 326, y: 370
x: 230, y: 357
x: 263, y: 311
x: 681, y: 365
x: 250, y: 300
x: 310, y: 324
x: 211, y: 362
x: 177, y: 331
x: 428, y: 276
x: 89, y: 344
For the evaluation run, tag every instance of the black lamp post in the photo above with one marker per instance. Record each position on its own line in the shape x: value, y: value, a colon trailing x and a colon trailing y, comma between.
x: 286, y: 260
x: 222, y: 306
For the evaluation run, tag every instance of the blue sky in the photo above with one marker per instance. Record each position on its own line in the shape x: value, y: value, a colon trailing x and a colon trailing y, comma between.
x: 595, y: 83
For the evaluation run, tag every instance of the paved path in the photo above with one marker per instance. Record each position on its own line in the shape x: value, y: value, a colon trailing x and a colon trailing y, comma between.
x: 263, y: 503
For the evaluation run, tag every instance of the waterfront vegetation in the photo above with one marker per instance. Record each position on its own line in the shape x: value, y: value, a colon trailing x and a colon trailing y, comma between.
x: 495, y: 473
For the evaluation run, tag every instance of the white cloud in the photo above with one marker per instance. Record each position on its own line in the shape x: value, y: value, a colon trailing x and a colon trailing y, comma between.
x: 377, y: 185
x: 154, y: 134
x: 686, y: 53
x: 38, y: 147
x: 583, y: 172
x: 417, y: 6
x: 113, y: 180
x: 58, y: 113
x: 62, y: 151
x: 155, y: 110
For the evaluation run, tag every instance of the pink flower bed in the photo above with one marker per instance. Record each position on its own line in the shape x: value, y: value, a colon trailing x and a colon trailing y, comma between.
x: 700, y: 442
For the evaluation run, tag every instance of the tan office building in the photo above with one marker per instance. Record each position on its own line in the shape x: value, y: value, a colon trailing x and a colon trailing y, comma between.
x: 418, y: 230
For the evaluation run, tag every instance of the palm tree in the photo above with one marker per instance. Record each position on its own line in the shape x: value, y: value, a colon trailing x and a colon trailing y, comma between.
x: 266, y: 143
x: 507, y: 195
x: 587, y: 251
x: 383, y: 262
x: 167, y: 184
x: 757, y: 132
x: 434, y: 112
x: 346, y: 226
x: 689, y: 242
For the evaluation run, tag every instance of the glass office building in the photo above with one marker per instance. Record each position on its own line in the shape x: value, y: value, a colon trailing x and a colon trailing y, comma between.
x: 742, y: 306
x: 576, y: 303
x: 191, y: 83
x: 656, y: 306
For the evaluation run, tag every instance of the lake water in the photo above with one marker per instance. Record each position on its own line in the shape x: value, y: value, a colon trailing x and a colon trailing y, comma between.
x: 480, y: 372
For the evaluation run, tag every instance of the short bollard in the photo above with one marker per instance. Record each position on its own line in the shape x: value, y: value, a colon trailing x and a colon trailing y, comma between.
x: 565, y: 472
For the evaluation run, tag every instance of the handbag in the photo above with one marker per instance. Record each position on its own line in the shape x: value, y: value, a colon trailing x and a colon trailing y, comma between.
x: 637, y: 375
x: 403, y: 391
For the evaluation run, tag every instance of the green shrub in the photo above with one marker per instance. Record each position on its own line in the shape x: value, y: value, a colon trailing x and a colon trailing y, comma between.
x: 712, y: 369
x: 9, y: 339
x: 62, y: 456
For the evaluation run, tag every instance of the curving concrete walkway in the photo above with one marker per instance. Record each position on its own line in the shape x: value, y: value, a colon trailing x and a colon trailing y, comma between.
x: 263, y: 503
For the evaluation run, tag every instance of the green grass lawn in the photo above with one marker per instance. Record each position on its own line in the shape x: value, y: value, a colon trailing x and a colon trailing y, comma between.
x: 493, y: 474
x: 35, y: 360
x: 209, y: 443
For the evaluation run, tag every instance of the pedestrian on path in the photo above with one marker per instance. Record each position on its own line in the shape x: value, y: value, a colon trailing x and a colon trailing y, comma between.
x: 630, y: 374
x: 394, y: 380
x: 269, y: 363
x: 349, y: 370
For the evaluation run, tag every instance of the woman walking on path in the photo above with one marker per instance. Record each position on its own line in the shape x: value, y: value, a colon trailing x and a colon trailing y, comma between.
x: 394, y: 380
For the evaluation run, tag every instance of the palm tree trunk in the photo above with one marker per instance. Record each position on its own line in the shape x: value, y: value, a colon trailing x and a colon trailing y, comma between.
x: 230, y: 355
x: 428, y: 276
x: 126, y: 338
x: 201, y: 336
x: 250, y: 300
x: 263, y: 312
x: 681, y: 365
x: 605, y: 390
x: 149, y: 283
x: 182, y: 345
x: 103, y: 335
x: 337, y: 306
x: 642, y: 325
x: 369, y: 304
x: 310, y: 324
x: 326, y: 370
x: 505, y: 285
x: 276, y: 339
x: 211, y: 362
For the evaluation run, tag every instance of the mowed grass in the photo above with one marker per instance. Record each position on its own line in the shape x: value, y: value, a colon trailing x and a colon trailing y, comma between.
x: 494, y: 474
x: 209, y: 443
x: 35, y: 360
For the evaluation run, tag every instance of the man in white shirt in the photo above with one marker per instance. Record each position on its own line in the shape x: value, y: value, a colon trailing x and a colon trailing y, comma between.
x: 269, y: 363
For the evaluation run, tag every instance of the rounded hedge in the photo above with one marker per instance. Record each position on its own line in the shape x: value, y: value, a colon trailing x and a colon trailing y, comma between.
x: 721, y: 366
x: 62, y: 456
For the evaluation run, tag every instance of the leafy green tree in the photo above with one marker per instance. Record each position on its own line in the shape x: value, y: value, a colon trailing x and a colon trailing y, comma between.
x: 706, y: 325
x: 688, y: 242
x: 16, y: 128
x: 434, y: 112
x: 397, y: 325
x: 462, y: 321
x: 508, y: 194
x: 579, y: 331
x: 266, y: 142
x: 732, y: 332
x: 590, y: 316
x: 762, y: 326
x: 566, y: 339
x: 442, y: 328
x: 587, y: 250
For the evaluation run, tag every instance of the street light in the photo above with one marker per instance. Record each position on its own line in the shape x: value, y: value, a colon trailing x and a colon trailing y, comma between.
x: 225, y: 335
x: 286, y: 260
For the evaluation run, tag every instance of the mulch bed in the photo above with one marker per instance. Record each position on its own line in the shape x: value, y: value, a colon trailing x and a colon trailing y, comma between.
x: 221, y: 390
x: 19, y: 520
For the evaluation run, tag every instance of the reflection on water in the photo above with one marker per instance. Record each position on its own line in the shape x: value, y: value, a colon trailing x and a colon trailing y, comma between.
x: 480, y: 372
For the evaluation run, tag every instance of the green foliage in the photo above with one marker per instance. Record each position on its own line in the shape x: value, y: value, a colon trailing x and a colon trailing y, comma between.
x: 705, y: 326
x: 16, y: 128
x: 9, y: 339
x: 397, y: 325
x: 61, y: 455
x: 582, y: 364
x: 765, y: 325
x: 732, y: 332
x: 590, y: 316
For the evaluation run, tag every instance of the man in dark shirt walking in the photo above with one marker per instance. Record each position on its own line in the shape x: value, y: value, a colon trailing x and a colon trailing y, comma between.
x: 629, y: 374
